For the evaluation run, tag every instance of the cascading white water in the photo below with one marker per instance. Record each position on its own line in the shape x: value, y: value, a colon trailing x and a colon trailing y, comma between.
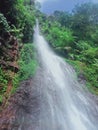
x: 63, y: 104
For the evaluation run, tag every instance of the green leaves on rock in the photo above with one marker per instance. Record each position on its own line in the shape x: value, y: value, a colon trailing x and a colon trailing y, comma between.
x: 27, y: 62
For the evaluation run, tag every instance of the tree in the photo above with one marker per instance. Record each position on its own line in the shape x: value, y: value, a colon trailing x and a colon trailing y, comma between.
x: 85, y: 20
x: 64, y: 18
x: 7, y: 7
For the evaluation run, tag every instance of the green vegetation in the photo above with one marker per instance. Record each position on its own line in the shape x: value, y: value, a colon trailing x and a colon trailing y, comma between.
x: 3, y: 83
x: 20, y: 14
x: 17, y: 57
x: 4, y: 27
x: 27, y: 62
x: 74, y: 36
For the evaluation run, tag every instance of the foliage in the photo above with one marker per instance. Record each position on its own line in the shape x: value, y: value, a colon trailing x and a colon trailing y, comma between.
x: 7, y: 7
x: 57, y: 36
x: 15, y: 83
x: 18, y: 18
x: 29, y: 22
x: 26, y: 19
x: 21, y: 16
x: 76, y: 35
x: 4, y: 27
x: 27, y: 62
x: 85, y: 20
x: 82, y: 45
x: 3, y: 83
x: 64, y: 18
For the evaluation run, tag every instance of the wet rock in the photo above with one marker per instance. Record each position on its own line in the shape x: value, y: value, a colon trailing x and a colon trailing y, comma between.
x: 9, y: 52
x: 18, y: 105
x: 81, y: 78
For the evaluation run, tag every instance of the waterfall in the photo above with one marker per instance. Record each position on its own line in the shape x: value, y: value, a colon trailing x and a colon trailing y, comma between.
x: 63, y: 104
x: 53, y: 99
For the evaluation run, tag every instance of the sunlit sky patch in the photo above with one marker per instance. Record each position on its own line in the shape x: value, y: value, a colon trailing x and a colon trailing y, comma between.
x: 48, y: 6
x: 42, y: 1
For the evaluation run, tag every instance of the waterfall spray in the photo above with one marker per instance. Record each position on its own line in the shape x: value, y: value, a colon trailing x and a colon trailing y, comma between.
x: 63, y: 105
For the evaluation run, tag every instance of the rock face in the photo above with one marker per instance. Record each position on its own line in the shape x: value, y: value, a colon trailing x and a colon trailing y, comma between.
x: 19, y: 106
x: 9, y: 52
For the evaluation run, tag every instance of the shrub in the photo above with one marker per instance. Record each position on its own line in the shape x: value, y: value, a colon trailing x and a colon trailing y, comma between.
x: 4, y: 27
x: 27, y: 62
